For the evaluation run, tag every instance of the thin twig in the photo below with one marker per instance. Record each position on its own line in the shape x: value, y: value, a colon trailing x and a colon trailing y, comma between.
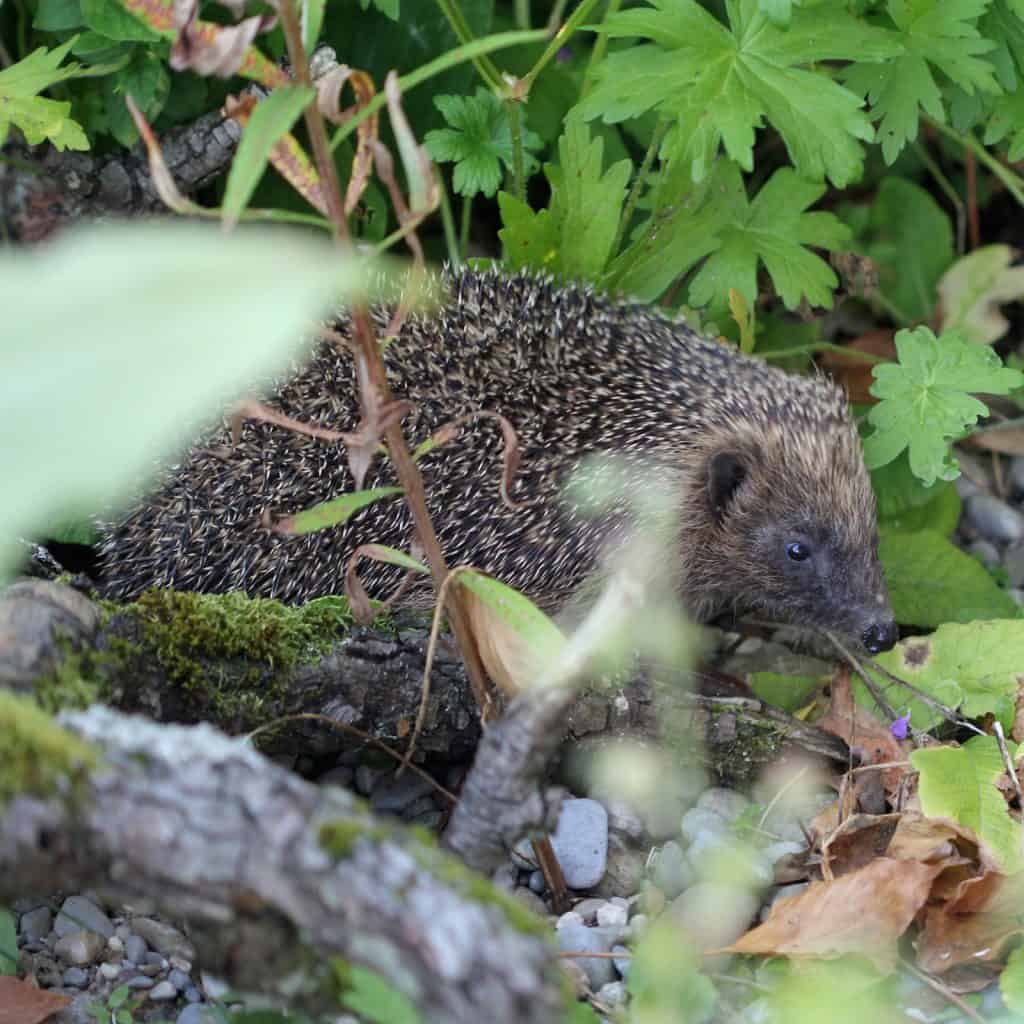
x: 886, y: 708
x: 945, y: 991
x: 1008, y: 761
x: 790, y: 783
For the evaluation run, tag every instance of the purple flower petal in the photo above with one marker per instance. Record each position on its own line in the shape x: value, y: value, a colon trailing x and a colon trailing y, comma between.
x: 900, y: 727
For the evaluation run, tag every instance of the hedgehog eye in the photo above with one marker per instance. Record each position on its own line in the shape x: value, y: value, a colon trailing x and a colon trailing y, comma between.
x: 798, y: 551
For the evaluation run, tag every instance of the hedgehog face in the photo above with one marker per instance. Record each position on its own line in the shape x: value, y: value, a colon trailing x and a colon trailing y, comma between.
x: 790, y: 515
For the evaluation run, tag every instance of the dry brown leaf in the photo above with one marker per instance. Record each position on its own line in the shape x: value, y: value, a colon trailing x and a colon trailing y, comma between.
x: 1007, y: 442
x: 853, y: 372
x: 329, y: 87
x: 163, y: 180
x: 22, y: 1003
x: 857, y: 842
x: 863, y: 912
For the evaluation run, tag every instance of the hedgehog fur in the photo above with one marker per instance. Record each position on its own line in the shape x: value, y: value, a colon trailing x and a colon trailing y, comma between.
x: 776, y: 512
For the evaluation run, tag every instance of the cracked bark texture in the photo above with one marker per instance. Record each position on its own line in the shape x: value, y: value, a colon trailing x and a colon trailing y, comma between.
x: 372, y: 680
x: 43, y: 190
x: 221, y: 837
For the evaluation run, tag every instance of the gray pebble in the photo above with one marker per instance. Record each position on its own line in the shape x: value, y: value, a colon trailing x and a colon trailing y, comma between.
x: 621, y: 962
x: 575, y: 936
x: 714, y: 915
x: 1016, y: 477
x: 196, y: 1014
x: 612, y: 994
x: 75, y: 977
x: 985, y: 552
x: 587, y: 909
x: 782, y: 892
x: 140, y: 981
x: 774, y: 852
x: 580, y: 842
x: 79, y: 914
x: 163, y: 938
x: 531, y: 901
x: 79, y: 948
x: 109, y: 971
x: 135, y: 948
x: 393, y: 795
x: 506, y: 877
x: 624, y: 819
x: 35, y: 924
x: 1013, y: 562
x: 698, y: 820
x: 162, y: 992
x: 179, y: 979
x: 366, y: 778
x: 671, y: 872
x: 537, y: 883
x: 192, y: 994
x: 523, y: 856
x: 156, y: 960
x: 726, y: 803
x: 994, y: 519
x: 612, y: 916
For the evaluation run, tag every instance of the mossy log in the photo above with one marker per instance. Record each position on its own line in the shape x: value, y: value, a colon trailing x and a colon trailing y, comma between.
x: 285, y: 886
x: 240, y: 663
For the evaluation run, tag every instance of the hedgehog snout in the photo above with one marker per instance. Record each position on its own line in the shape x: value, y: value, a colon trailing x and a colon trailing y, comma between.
x: 880, y: 636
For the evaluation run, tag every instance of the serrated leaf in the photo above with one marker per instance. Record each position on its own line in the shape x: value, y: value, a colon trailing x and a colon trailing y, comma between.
x: 775, y: 230
x: 721, y: 82
x: 58, y: 15
x: 1011, y: 982
x: 335, y: 511
x: 170, y: 320
x: 934, y: 33
x: 959, y: 783
x: 109, y: 18
x: 925, y: 400
x: 975, y: 667
x: 974, y: 288
x: 272, y: 118
x: 529, y: 238
x: 147, y: 81
x: 1005, y: 122
x: 478, y: 141
x: 931, y: 581
x: 376, y: 1000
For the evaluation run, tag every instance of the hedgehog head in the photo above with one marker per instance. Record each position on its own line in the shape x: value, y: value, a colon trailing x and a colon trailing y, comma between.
x: 779, y: 520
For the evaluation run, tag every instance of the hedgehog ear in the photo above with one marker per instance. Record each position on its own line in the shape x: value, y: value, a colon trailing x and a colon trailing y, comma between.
x: 726, y: 472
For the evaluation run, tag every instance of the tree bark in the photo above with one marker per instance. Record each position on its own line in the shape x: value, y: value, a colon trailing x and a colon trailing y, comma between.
x: 274, y: 876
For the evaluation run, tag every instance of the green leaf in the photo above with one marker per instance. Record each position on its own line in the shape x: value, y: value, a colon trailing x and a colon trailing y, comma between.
x: 544, y: 639
x: 1011, y: 982
x: 271, y: 118
x: 389, y: 8
x: 168, y: 327
x: 392, y: 556
x: 931, y: 581
x: 8, y: 943
x: 959, y: 783
x: 58, y: 15
x: 110, y: 18
x: 898, y: 491
x: 147, y: 81
x: 934, y: 33
x: 721, y: 82
x: 118, y: 996
x: 335, y: 511
x: 773, y: 230
x: 974, y: 288
x: 940, y: 514
x: 1005, y: 122
x: 974, y: 667
x: 478, y: 141
x: 312, y: 22
x: 910, y: 238
x: 925, y: 400
x: 787, y: 692
x: 376, y: 1000
x: 574, y: 236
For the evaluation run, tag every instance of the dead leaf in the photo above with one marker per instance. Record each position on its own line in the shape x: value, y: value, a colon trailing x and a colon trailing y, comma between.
x: 857, y: 842
x: 853, y: 372
x: 864, y: 912
x: 974, y: 288
x: 1007, y: 442
x: 163, y: 180
x: 22, y: 1003
x: 329, y: 87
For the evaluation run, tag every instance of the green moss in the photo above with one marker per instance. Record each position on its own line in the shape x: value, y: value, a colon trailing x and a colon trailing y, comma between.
x: 38, y: 757
x: 182, y: 627
x: 338, y: 837
x: 70, y: 686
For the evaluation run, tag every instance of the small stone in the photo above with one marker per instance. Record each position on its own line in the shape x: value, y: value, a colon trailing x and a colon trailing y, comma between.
x: 570, y: 917
x: 624, y: 819
x: 652, y: 899
x: 135, y: 948
x: 213, y: 986
x: 573, y: 936
x: 537, y: 883
x: 116, y: 944
x: 637, y: 926
x: 79, y: 914
x: 1016, y: 478
x: 506, y: 877
x: 179, y: 979
x: 580, y: 842
x: 1013, y: 563
x: 726, y: 803
x: 392, y: 796
x: 588, y: 908
x: 109, y: 971
x: 774, y: 852
x: 196, y: 1014
x: 611, y: 916
x: 985, y: 552
x: 180, y: 964
x: 577, y: 978
x: 140, y: 981
x: 163, y: 938
x: 994, y: 519
x: 612, y: 994
x: 671, y: 872
x: 162, y: 992
x: 79, y: 948
x: 623, y: 871
x: 523, y: 856
x: 366, y: 778
x: 783, y: 892
x: 192, y: 994
x: 714, y: 915
x: 156, y: 960
x: 35, y: 924
x: 531, y: 901
x: 75, y: 977
x: 622, y: 962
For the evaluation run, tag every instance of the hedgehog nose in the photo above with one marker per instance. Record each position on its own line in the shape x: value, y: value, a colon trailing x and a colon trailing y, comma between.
x: 880, y: 636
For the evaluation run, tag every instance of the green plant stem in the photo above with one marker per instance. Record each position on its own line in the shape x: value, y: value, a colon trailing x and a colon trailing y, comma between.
x: 950, y: 193
x: 598, y: 52
x: 638, y: 182
x: 515, y: 121
x: 821, y: 346
x: 1013, y: 182
x: 448, y: 220
x: 560, y: 38
x: 422, y: 74
x: 467, y: 216
x: 523, y: 14
x: 485, y: 67
x: 556, y: 15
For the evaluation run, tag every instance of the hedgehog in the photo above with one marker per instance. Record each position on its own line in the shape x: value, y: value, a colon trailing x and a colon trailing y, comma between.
x: 776, y: 515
